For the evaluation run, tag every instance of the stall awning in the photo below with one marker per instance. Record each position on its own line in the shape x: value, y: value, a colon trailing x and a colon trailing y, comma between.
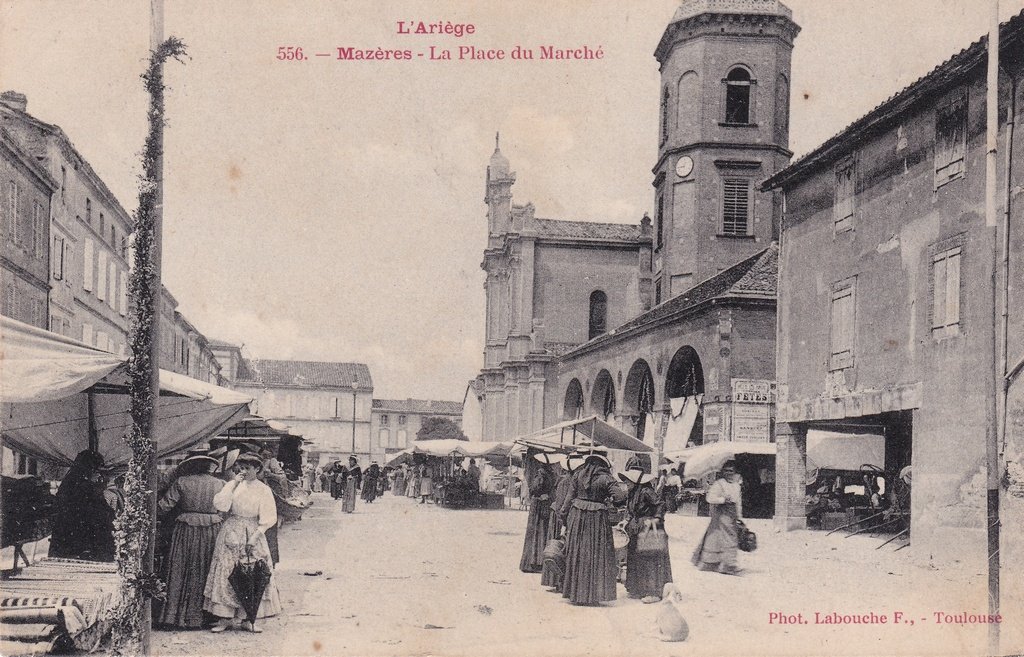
x: 567, y: 434
x: 845, y: 450
x: 63, y: 391
x: 39, y: 366
x: 451, y: 447
x: 705, y: 459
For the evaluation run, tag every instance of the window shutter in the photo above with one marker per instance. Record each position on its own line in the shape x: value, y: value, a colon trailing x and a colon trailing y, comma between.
x: 88, y: 265
x: 112, y: 297
x: 101, y: 275
x: 953, y: 288
x: 735, y: 206
x: 124, y: 294
x: 87, y: 333
x: 57, y: 258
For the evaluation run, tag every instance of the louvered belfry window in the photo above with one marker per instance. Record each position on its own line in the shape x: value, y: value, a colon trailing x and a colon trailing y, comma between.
x: 736, y: 206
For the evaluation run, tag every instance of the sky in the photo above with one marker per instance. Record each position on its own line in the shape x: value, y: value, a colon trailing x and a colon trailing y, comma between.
x: 333, y: 210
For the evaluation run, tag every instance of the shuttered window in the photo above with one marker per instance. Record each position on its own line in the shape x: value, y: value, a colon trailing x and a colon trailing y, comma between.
x: 38, y: 230
x: 12, y: 211
x: 950, y: 140
x: 87, y: 266
x: 946, y: 293
x: 842, y: 324
x: 736, y: 206
x: 842, y: 211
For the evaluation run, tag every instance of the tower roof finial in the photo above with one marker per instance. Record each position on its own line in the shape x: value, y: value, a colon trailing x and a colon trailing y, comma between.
x: 497, y: 138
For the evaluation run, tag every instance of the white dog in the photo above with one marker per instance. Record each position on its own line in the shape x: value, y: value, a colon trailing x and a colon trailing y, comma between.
x: 670, y: 624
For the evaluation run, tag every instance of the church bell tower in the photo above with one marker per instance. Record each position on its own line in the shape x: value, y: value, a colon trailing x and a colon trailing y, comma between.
x: 723, y: 128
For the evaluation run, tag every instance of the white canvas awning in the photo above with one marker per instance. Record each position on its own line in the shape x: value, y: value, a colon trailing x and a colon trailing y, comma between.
x: 54, y: 388
x: 594, y: 429
x: 705, y: 459
x: 845, y: 450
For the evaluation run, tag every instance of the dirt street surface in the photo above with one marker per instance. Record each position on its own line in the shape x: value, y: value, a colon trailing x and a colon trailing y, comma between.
x: 400, y: 578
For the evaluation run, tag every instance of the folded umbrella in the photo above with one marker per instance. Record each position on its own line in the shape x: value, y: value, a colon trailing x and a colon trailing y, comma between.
x: 249, y: 579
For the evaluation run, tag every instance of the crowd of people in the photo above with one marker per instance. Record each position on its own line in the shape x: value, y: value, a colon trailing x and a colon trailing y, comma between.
x: 575, y: 504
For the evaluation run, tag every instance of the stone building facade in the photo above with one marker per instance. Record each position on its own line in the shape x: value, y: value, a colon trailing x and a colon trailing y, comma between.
x: 395, y: 422
x: 551, y: 285
x: 890, y: 300
x: 86, y: 261
x: 701, y: 319
x: 25, y: 234
x: 89, y: 234
x: 328, y: 403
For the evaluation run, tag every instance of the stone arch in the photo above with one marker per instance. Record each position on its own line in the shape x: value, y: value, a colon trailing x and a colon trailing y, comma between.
x: 685, y: 378
x: 602, y: 396
x: 573, y: 406
x: 739, y: 95
x: 638, y: 397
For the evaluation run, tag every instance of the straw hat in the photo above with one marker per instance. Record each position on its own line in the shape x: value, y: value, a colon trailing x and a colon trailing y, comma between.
x: 196, y: 457
x: 250, y: 459
x: 573, y: 461
x: 636, y: 477
x: 596, y: 456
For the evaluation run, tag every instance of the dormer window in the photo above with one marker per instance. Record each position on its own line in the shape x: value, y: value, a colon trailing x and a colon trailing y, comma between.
x: 738, y: 96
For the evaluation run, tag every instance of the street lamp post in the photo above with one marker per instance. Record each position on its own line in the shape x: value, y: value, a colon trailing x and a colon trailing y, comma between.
x: 355, y: 389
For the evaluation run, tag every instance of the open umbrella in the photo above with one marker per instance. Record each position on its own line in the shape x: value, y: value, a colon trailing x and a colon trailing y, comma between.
x: 710, y: 457
x: 249, y: 579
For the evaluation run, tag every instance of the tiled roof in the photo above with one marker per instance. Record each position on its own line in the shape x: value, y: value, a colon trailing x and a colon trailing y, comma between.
x: 426, y: 406
x: 304, y: 374
x: 221, y: 343
x: 586, y: 230
x: 940, y: 77
x: 753, y: 278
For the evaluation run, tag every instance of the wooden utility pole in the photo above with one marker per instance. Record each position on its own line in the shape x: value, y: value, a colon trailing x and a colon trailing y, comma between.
x: 156, y: 39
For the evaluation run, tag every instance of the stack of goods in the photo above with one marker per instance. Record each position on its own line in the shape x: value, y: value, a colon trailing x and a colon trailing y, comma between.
x: 57, y: 604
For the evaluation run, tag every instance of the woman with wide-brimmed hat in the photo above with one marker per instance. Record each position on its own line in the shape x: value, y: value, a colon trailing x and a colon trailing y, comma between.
x: 590, y: 565
x: 540, y: 482
x: 251, y: 511
x: 189, y: 500
x: 646, y: 572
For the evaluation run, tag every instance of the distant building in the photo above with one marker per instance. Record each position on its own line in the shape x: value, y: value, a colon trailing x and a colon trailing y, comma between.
x: 328, y: 403
x: 183, y: 349
x: 25, y: 234
x: 886, y: 303
x: 394, y: 422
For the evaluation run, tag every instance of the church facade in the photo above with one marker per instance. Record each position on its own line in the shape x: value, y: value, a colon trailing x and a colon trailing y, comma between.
x: 616, y: 320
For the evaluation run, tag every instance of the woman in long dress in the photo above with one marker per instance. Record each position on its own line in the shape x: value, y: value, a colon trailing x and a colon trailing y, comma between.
x: 196, y: 523
x: 551, y: 575
x: 250, y: 506
x: 370, y: 481
x: 353, y: 482
x: 717, y: 550
x: 541, y: 482
x: 590, y: 565
x: 399, y: 487
x: 426, y: 484
x: 646, y: 574
x: 83, y: 526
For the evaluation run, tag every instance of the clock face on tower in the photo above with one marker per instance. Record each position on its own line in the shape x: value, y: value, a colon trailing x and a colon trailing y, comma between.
x: 684, y: 166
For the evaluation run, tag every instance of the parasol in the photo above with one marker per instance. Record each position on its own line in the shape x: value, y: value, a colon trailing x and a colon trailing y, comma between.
x: 708, y: 458
x: 249, y: 579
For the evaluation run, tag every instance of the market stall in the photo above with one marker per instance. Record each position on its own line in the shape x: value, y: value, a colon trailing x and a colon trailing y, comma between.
x: 61, y: 397
x: 444, y: 458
